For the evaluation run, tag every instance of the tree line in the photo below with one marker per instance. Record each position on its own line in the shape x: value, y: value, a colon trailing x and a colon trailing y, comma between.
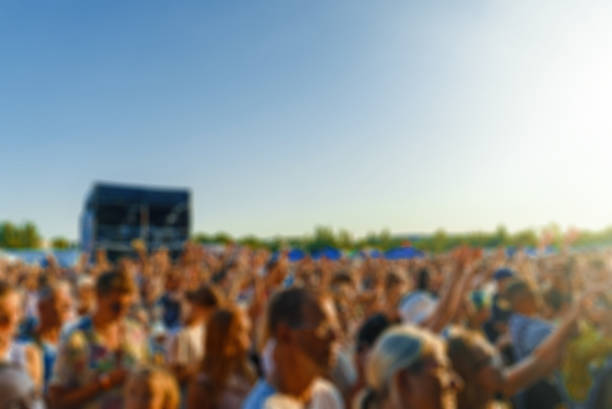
x: 27, y: 236
x: 439, y: 241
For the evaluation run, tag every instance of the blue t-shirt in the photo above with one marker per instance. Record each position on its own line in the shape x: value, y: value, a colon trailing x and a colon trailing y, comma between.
x: 258, y: 395
x: 527, y: 333
x: 171, y: 311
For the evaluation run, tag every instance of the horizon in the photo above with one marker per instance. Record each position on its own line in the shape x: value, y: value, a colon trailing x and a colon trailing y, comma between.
x: 283, y: 116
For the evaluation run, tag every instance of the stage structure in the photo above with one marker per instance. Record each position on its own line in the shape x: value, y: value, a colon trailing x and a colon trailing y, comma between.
x: 115, y: 215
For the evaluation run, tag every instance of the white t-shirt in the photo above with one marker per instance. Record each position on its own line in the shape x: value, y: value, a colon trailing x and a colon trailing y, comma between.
x: 16, y: 355
x: 187, y: 346
x: 324, y: 396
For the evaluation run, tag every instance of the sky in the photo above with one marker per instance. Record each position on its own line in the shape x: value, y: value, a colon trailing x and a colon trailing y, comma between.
x: 281, y: 115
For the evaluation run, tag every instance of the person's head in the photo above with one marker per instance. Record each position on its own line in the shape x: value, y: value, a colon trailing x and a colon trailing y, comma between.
x: 367, y: 335
x: 173, y: 281
x: 276, y: 270
x: 55, y: 304
x: 227, y: 335
x: 86, y: 294
x: 408, y: 369
x: 305, y: 329
x: 202, y: 302
x: 503, y: 277
x: 395, y: 285
x: 343, y: 286
x: 114, y: 295
x: 17, y: 389
x: 521, y: 298
x: 479, y: 307
x: 477, y: 362
x: 151, y: 388
x: 226, y: 343
x: 10, y: 313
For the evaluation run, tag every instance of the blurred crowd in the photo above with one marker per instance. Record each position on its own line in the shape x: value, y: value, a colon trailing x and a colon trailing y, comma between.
x: 235, y: 327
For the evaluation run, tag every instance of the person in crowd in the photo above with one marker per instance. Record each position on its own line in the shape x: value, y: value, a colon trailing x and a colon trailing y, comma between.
x: 95, y: 357
x: 526, y: 329
x: 24, y: 356
x: 171, y: 301
x: 409, y: 368
x: 315, y: 324
x: 496, y: 325
x: 367, y: 335
x: 151, y: 388
x: 54, y: 312
x: 527, y: 332
x: 481, y: 366
x: 478, y: 310
x: 422, y: 309
x: 226, y: 375
x: 302, y: 332
x: 86, y: 295
x: 17, y: 391
x: 186, y: 348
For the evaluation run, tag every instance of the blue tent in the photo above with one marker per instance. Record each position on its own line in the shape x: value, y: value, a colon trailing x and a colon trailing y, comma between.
x: 400, y: 253
x: 296, y: 255
x: 328, y: 252
x: 376, y: 253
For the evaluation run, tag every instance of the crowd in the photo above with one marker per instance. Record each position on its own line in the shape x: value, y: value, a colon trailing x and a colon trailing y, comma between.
x: 243, y: 328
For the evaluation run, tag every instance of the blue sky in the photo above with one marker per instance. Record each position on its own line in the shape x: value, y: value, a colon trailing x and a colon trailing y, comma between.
x: 284, y: 114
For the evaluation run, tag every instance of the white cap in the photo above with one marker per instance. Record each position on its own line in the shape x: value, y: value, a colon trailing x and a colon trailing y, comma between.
x: 416, y: 307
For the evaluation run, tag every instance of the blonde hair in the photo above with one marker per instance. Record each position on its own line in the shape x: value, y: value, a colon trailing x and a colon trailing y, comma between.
x: 165, y: 384
x: 398, y: 348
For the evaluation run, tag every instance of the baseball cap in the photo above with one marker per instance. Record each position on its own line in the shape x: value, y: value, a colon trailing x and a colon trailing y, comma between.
x: 416, y: 307
x: 503, y: 273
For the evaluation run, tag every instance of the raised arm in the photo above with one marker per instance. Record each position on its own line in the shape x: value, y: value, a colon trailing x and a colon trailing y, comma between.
x: 546, y: 357
x: 455, y: 290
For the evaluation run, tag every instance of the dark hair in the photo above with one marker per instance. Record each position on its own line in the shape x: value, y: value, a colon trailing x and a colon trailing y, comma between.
x: 287, y: 306
x: 205, y: 296
x: 370, y: 330
x: 423, y: 279
x: 342, y: 278
x: 392, y: 279
x: 115, y: 281
x: 516, y: 289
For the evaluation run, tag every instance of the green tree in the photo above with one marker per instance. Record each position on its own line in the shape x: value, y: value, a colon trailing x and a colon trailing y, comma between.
x: 60, y: 243
x: 222, y: 238
x: 439, y: 241
x: 345, y: 240
x: 524, y: 238
x: 251, y: 241
x: 202, y: 238
x: 24, y: 236
x: 30, y: 237
x: 323, y: 237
